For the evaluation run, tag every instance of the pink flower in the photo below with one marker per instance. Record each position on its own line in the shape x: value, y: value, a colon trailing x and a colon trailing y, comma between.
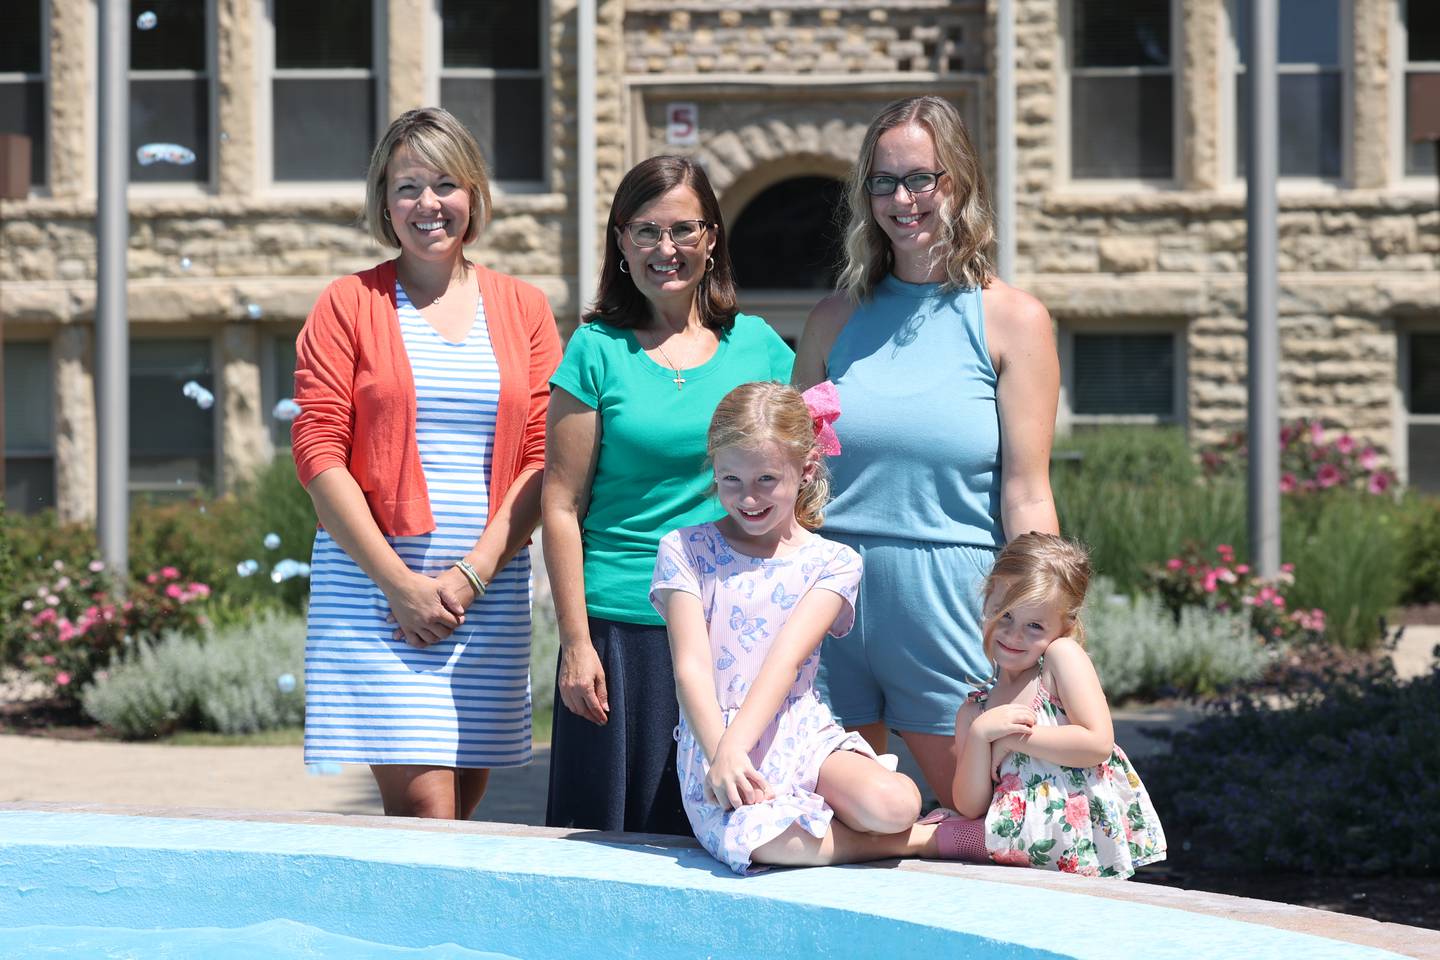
x: 1379, y: 482
x: 1008, y: 783
x: 1210, y: 577
x: 1226, y: 551
x: 1242, y: 568
x: 1287, y: 483
x: 1011, y: 858
x: 152, y: 578
x: 1067, y: 864
x: 52, y: 600
x: 169, y: 573
x: 1077, y: 811
x: 1328, y: 475
x: 200, y: 590
x: 1174, y: 563
x: 1317, y: 432
x: 1345, y: 444
x: 43, y: 617
x: 62, y: 678
x: 173, y: 591
x: 66, y: 631
x: 1277, y: 601
x: 48, y: 660
x: 96, y: 566
x: 1369, y: 459
x: 1287, y: 434
x: 62, y: 583
x: 1287, y: 568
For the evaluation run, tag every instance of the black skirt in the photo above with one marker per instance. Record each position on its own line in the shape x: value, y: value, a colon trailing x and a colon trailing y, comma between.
x: 621, y: 776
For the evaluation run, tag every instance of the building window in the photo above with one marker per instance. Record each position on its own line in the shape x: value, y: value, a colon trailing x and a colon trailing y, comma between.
x: 279, y: 384
x: 179, y: 459
x: 1310, y: 86
x: 493, y: 80
x: 29, y: 428
x: 1122, y: 377
x: 169, y: 91
x: 1420, y: 381
x: 323, y: 90
x: 1422, y: 56
x: 22, y: 78
x: 1122, y: 89
x: 788, y: 237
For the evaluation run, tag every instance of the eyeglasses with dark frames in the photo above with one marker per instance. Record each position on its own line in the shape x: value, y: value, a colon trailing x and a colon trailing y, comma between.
x: 683, y: 233
x: 921, y: 181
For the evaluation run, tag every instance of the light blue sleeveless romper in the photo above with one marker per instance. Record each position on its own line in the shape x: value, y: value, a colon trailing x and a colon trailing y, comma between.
x: 917, y: 494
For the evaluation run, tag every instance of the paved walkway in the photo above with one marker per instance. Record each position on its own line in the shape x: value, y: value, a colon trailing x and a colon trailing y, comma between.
x: 274, y: 778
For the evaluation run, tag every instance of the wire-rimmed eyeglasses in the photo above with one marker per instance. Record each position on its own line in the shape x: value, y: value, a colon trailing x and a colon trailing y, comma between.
x: 683, y: 233
x: 921, y: 181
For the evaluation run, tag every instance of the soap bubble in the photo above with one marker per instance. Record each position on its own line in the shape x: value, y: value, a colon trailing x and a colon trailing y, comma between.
x: 254, y: 311
x: 272, y: 541
x: 152, y: 153
x: 286, y: 682
x: 224, y: 136
x: 286, y: 409
x: 184, y: 263
x: 286, y: 569
x: 203, y: 398
x: 246, y: 567
x: 146, y: 20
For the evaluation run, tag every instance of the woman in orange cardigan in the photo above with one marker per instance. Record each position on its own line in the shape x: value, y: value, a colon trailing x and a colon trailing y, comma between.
x: 423, y: 386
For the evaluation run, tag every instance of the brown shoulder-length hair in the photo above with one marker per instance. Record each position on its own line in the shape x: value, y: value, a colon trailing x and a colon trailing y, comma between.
x: 440, y: 140
x: 966, y: 223
x: 617, y: 301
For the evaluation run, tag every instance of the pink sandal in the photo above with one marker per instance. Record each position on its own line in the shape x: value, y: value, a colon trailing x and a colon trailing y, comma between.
x: 959, y: 838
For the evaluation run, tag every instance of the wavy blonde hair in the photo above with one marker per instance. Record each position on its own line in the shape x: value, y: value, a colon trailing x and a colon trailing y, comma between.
x: 1039, y: 568
x: 440, y: 140
x: 754, y: 413
x: 967, y: 224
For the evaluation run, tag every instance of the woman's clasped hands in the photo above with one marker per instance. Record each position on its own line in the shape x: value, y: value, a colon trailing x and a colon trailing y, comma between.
x: 426, y: 610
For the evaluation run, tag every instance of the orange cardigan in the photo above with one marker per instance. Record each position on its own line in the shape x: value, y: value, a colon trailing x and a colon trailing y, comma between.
x: 357, y: 394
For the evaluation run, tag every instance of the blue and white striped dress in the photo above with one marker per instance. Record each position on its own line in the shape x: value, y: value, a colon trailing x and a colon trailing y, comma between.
x: 464, y: 702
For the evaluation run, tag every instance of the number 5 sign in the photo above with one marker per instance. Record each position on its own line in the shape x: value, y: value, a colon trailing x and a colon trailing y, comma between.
x: 682, y: 124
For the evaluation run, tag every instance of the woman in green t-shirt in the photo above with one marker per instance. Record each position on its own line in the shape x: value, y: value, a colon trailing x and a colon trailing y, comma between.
x: 625, y: 464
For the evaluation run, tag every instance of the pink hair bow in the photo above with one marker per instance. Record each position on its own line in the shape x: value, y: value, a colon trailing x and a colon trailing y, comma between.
x: 823, y: 401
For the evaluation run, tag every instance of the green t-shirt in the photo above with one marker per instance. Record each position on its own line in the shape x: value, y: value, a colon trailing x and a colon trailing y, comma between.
x: 650, y: 476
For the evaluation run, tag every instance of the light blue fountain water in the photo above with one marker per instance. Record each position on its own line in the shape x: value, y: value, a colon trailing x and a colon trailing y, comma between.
x: 540, y: 898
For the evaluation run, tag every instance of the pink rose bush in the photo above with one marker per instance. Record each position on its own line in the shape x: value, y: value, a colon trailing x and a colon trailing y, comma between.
x: 71, y: 624
x: 1195, y: 578
x: 1308, y: 463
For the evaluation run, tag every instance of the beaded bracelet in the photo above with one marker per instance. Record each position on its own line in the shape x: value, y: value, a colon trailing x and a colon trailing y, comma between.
x: 464, y: 567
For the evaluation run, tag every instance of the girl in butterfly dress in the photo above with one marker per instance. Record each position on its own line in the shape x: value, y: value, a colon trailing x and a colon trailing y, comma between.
x: 766, y: 774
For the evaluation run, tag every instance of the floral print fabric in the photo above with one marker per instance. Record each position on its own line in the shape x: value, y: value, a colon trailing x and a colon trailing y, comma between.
x: 746, y: 602
x: 1094, y: 821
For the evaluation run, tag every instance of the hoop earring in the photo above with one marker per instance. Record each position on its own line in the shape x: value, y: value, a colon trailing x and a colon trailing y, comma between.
x: 624, y: 265
x: 385, y: 213
x: 709, y: 264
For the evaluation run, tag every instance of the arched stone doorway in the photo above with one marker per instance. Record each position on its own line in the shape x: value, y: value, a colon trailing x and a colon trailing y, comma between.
x: 787, y: 245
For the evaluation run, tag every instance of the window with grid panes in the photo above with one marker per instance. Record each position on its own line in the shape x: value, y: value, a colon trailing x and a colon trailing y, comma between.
x: 492, y: 78
x: 1122, y: 89
x: 29, y: 427
x: 1123, y: 375
x: 1423, y: 401
x: 1309, y: 86
x: 22, y: 78
x: 170, y: 88
x: 1422, y: 56
x: 323, y: 89
x: 180, y: 459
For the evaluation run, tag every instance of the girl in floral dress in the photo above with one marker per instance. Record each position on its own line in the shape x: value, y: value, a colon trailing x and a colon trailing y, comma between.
x: 1040, y: 781
x: 766, y: 774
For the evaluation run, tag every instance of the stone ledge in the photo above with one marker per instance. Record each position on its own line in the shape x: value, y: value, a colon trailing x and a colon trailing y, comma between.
x: 144, y: 207
x: 1230, y: 202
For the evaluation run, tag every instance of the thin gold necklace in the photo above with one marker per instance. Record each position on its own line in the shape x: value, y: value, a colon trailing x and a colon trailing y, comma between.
x: 678, y: 379
x: 464, y: 269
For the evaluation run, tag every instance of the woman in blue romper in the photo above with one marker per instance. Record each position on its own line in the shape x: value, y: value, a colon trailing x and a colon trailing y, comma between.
x: 948, y: 381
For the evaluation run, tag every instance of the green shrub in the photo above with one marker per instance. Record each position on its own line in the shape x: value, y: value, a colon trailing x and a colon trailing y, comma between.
x: 1133, y: 454
x: 544, y: 649
x: 229, y: 682
x: 1139, y: 650
x: 1347, y: 547
x: 1346, y: 782
x: 1421, y: 545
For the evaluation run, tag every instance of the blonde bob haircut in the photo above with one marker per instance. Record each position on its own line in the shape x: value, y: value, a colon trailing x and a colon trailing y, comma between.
x: 439, y: 140
x: 1038, y: 569
x: 967, y: 228
x: 754, y: 413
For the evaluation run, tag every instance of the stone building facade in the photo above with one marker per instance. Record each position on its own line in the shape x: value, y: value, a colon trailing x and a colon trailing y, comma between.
x: 1130, y: 222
